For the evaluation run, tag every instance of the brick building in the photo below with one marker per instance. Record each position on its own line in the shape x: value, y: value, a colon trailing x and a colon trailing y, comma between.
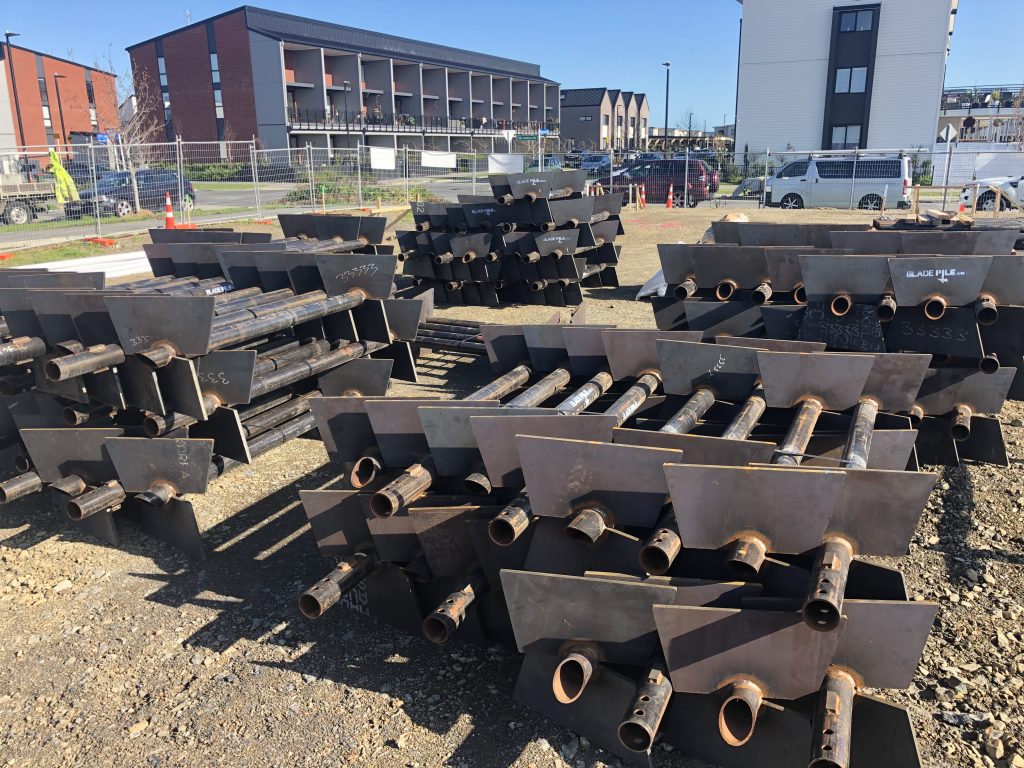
x: 290, y: 81
x: 55, y: 97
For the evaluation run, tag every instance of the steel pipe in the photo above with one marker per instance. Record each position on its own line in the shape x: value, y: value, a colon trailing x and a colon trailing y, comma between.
x: 793, y: 447
x: 327, y: 592
x: 512, y: 522
x: 98, y: 499
x: 823, y: 606
x: 642, y: 719
x: 21, y: 350
x: 833, y: 721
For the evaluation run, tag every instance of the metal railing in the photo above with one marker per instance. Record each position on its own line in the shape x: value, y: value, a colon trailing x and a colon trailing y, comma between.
x: 340, y: 120
x: 996, y: 97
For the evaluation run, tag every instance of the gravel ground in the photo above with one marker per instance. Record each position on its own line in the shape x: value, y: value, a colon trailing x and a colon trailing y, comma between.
x: 136, y: 656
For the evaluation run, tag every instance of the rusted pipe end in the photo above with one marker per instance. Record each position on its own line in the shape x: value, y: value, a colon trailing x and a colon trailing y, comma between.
x: 365, y: 470
x: 799, y: 293
x: 538, y: 285
x: 989, y: 364
x: 660, y: 551
x: 19, y: 486
x: 315, y: 601
x: 439, y: 626
x: 71, y: 485
x: 986, y: 310
x: 935, y: 308
x: 685, y: 289
x: 960, y: 427
x: 385, y: 503
x: 571, y: 677
x: 506, y: 199
x: 916, y: 415
x: 509, y: 524
x: 588, y: 526
x: 52, y: 370
x: 746, y: 556
x: 646, y: 710
x: 725, y: 289
x: 423, y: 226
x: 22, y: 463
x: 492, y: 256
x: 886, y: 309
x: 97, y: 500
x: 530, y: 257
x: 841, y: 305
x: 154, y: 425
x: 823, y: 607
x: 478, y: 484
x: 738, y: 714
x: 158, y: 494
x: 762, y: 293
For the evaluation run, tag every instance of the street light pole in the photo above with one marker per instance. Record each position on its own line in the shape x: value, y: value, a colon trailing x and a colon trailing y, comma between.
x: 60, y: 109
x: 668, y: 68
x: 14, y: 84
x: 347, y: 85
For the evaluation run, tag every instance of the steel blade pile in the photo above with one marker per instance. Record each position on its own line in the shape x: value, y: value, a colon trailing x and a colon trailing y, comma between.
x: 130, y: 397
x: 536, y: 240
x: 954, y: 294
x: 670, y: 531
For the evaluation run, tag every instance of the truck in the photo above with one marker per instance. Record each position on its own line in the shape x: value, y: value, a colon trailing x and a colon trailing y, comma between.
x: 22, y: 201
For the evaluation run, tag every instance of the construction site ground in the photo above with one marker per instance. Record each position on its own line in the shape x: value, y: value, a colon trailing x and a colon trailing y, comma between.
x: 140, y: 657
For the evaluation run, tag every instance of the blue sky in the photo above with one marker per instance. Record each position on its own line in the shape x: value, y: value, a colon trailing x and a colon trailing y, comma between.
x: 578, y: 43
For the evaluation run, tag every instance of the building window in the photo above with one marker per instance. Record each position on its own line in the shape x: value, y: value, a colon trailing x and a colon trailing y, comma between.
x: 586, y: 118
x: 853, y: 80
x: 856, y: 21
x: 605, y: 120
x: 845, y: 136
x: 218, y: 97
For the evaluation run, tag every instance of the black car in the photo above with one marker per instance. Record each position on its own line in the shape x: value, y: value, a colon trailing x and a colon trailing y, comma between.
x: 114, y: 196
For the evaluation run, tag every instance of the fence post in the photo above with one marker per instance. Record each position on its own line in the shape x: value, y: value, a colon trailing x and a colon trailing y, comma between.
x: 686, y: 180
x: 472, y: 154
x: 92, y: 179
x: 255, y: 178
x: 406, y: 174
x: 309, y: 167
x: 945, y: 183
x: 181, y: 176
x: 359, y: 172
x: 764, y: 183
x: 853, y: 180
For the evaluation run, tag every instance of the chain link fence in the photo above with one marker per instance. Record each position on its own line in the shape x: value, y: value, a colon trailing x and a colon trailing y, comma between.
x: 123, y: 188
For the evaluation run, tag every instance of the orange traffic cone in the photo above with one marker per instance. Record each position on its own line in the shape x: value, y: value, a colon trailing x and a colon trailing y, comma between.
x: 962, y: 208
x: 668, y: 200
x: 643, y: 195
x: 168, y: 212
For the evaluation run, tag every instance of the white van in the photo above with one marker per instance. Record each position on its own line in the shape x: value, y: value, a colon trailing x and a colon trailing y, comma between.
x: 836, y: 181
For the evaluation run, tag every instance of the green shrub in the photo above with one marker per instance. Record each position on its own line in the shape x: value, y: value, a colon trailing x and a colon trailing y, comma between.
x: 347, y: 192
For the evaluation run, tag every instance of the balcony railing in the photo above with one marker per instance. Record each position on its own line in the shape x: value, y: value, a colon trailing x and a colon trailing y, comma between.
x: 382, y: 122
x: 999, y: 98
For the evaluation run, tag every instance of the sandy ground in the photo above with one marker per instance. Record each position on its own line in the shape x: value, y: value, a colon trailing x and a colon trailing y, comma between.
x: 137, y: 656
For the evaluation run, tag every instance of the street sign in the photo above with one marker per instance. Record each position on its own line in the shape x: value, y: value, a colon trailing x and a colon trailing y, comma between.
x: 509, y: 134
x: 544, y: 131
x: 102, y: 138
x: 948, y: 134
x: 527, y: 136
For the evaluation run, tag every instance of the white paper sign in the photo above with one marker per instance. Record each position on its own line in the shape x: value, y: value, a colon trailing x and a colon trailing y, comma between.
x: 382, y: 158
x: 432, y: 159
x: 504, y: 163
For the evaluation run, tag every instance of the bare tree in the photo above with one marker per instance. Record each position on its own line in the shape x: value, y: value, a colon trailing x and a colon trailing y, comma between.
x: 138, y: 120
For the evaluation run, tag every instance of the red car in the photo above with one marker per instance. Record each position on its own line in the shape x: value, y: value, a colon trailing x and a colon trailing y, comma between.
x: 656, y: 176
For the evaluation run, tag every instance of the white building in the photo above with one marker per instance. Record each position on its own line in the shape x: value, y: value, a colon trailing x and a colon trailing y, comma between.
x: 816, y: 74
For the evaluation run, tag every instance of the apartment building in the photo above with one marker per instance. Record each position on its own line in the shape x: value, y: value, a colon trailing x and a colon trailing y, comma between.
x: 604, y: 118
x: 815, y: 74
x: 44, y: 99
x: 289, y: 81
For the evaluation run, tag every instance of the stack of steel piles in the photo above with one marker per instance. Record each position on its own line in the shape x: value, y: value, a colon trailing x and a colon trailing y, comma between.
x: 671, y: 532
x: 957, y: 295
x: 537, y: 240
x: 135, y: 395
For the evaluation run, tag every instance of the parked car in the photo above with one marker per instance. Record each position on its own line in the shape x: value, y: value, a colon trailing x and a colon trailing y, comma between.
x: 834, y: 181
x: 551, y: 163
x: 647, y: 157
x: 595, y: 163
x: 1008, y: 186
x: 115, y: 197
x: 656, y: 177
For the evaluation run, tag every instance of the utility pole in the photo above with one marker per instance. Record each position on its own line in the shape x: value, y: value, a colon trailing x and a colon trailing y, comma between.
x: 60, y: 109
x: 14, y: 84
x: 668, y: 68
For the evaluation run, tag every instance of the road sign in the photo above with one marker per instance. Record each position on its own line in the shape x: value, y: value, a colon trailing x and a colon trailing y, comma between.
x: 527, y: 136
x: 102, y: 138
x: 544, y: 131
x: 948, y: 134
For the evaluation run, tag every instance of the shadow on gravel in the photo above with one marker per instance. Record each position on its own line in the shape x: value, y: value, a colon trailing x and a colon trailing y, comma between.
x: 261, y: 560
x: 956, y: 524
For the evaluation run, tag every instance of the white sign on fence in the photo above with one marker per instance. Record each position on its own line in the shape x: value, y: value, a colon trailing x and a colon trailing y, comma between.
x: 505, y: 163
x: 432, y: 159
x: 382, y: 158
